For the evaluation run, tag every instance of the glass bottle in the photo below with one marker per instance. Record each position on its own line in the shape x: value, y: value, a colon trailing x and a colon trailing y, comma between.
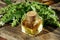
x: 31, y: 23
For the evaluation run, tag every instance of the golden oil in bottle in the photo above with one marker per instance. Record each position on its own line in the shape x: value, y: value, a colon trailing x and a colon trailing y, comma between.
x: 31, y: 23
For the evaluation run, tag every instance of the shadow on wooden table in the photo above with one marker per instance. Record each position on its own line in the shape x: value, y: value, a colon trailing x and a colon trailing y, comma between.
x: 50, y: 28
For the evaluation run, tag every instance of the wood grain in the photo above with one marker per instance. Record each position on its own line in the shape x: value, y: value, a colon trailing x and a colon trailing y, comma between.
x: 16, y: 34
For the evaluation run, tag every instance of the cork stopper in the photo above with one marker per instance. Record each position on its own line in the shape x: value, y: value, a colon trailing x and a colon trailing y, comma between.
x: 31, y: 13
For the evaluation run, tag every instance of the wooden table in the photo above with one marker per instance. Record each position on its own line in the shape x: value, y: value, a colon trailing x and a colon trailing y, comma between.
x: 15, y: 33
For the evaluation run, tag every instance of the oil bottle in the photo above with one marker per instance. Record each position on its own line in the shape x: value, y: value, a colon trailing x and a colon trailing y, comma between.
x: 31, y: 23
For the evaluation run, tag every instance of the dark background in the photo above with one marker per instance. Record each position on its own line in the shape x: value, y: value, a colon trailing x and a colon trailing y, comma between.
x: 56, y: 1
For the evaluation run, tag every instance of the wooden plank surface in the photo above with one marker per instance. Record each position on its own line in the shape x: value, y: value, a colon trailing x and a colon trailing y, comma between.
x: 16, y: 34
x: 56, y: 6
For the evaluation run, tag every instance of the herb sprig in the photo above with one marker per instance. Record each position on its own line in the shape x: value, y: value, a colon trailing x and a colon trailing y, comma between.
x: 14, y: 13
